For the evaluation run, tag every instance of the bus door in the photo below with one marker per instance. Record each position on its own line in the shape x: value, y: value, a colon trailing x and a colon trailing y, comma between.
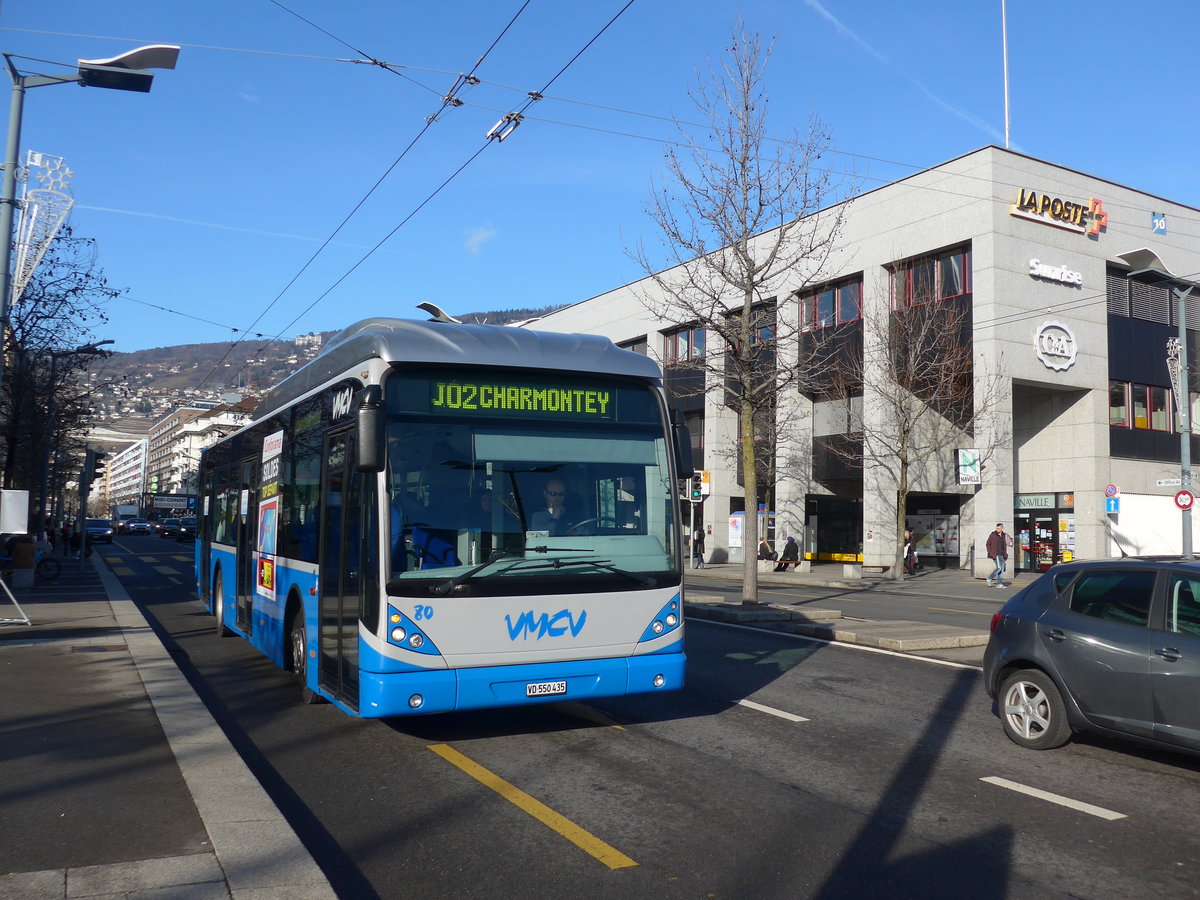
x: 247, y: 529
x: 341, y: 581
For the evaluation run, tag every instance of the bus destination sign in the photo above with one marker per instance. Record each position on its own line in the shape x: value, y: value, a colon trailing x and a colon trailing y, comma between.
x: 516, y: 399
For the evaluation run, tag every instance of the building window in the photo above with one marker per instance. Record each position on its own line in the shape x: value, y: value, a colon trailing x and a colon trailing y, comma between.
x: 1118, y: 404
x: 1148, y: 406
x: 1160, y: 409
x: 835, y: 304
x: 637, y: 345
x: 684, y: 345
x: 940, y: 276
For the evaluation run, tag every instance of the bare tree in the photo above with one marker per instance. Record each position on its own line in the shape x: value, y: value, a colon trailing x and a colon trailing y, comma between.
x: 913, y: 394
x: 63, y: 300
x: 743, y: 225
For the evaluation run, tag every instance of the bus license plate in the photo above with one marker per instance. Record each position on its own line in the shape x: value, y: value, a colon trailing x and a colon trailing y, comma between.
x: 542, y: 688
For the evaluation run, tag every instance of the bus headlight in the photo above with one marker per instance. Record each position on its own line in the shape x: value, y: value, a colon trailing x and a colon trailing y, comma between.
x: 398, y: 635
x: 671, y: 620
x: 659, y: 680
x: 657, y: 627
x: 416, y: 701
x: 416, y: 640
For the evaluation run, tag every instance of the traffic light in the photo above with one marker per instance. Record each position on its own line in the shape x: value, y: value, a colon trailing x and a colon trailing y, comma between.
x: 99, y: 461
x: 697, y: 487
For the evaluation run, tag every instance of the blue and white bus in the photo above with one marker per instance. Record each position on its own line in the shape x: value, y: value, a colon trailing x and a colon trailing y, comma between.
x: 432, y: 516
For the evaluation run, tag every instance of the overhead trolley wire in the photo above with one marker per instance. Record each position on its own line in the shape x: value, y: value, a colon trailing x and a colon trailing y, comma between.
x: 494, y: 136
x: 447, y: 100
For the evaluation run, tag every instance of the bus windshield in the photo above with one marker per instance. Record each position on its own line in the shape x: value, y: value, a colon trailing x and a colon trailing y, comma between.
x: 511, y: 482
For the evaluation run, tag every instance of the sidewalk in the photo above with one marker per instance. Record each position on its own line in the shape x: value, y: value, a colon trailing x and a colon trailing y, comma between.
x: 943, y: 641
x: 114, y: 779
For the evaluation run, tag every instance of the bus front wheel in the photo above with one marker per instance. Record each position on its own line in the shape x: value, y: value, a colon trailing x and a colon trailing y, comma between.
x: 300, y: 659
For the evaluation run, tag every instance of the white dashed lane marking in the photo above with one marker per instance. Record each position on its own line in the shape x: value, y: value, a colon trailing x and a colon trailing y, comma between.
x: 1097, y: 811
x: 772, y: 711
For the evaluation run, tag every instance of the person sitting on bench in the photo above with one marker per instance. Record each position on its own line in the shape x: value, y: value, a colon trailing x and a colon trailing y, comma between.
x: 790, y: 555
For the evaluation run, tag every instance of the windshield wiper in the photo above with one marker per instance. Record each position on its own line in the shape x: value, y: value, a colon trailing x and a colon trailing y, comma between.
x: 450, y: 584
x: 605, y: 564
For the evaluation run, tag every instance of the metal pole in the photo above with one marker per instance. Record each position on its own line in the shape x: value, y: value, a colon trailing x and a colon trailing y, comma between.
x: 1004, y: 32
x: 692, y: 528
x: 8, y: 202
x: 1185, y: 427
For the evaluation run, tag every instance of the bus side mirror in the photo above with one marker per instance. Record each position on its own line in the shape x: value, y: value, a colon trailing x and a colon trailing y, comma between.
x: 370, y: 429
x: 684, y: 465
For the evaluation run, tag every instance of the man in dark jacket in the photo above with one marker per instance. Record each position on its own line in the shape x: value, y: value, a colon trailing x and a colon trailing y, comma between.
x: 997, y: 551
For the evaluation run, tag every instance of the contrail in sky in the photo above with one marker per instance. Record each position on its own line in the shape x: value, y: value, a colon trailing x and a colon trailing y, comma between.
x: 845, y: 32
x: 146, y: 215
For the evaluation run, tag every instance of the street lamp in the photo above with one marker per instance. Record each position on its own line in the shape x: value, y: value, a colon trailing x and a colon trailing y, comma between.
x: 92, y: 349
x: 125, y: 72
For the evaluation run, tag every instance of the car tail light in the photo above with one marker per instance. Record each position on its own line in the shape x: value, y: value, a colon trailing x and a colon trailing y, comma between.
x: 996, y: 617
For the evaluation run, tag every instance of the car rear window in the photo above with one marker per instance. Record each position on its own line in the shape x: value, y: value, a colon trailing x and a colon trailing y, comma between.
x: 1115, y: 596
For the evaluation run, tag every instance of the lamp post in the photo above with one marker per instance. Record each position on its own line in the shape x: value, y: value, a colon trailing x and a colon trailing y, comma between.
x: 125, y: 72
x: 51, y: 412
x: 1177, y: 356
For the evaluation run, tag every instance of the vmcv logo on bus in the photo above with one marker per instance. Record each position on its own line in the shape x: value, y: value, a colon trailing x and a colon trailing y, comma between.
x: 341, y: 403
x: 546, y: 625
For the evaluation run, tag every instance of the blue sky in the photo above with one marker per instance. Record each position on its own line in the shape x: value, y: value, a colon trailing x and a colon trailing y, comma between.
x: 209, y: 195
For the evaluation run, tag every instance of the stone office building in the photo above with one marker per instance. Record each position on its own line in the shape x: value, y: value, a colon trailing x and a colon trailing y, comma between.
x: 1069, y: 284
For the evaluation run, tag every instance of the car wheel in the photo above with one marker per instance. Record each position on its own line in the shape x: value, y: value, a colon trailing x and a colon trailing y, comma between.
x: 300, y: 659
x: 218, y: 596
x: 1033, y: 711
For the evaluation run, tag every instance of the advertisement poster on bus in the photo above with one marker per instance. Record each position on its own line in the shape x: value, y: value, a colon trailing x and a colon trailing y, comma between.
x: 268, y: 523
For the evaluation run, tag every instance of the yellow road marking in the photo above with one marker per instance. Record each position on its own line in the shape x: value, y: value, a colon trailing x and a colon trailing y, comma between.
x: 122, y: 571
x: 582, y: 839
x: 967, y: 612
x: 165, y: 570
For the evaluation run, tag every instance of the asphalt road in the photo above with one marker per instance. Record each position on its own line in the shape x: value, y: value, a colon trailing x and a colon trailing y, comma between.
x: 787, y: 768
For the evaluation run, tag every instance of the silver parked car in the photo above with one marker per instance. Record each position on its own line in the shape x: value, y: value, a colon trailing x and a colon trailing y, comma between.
x: 1106, y: 646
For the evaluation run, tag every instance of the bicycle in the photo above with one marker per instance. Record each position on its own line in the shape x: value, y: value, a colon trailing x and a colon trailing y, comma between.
x: 47, y: 567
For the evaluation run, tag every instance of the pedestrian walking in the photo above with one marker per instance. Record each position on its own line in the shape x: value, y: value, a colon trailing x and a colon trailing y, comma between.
x: 698, y: 548
x: 908, y: 555
x: 998, y: 544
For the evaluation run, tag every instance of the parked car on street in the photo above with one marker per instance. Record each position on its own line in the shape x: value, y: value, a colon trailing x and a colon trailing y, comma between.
x: 187, y: 529
x: 167, y: 527
x: 1105, y: 646
x: 137, y: 526
x: 100, y: 531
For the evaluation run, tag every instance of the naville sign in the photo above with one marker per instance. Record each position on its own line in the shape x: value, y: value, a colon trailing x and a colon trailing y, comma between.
x: 968, y: 467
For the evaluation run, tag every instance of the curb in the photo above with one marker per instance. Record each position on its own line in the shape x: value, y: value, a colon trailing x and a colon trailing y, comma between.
x: 260, y: 854
x: 827, y: 624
